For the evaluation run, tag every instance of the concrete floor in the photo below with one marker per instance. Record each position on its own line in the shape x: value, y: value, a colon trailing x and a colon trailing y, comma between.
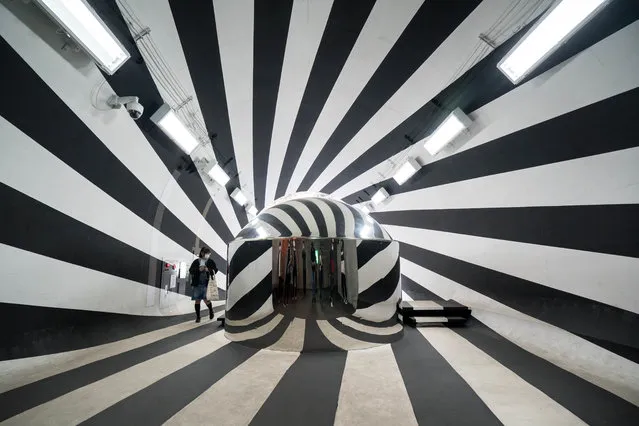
x: 191, y: 374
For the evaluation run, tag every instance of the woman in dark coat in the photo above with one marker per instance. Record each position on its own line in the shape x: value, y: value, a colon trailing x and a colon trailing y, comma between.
x: 201, y: 270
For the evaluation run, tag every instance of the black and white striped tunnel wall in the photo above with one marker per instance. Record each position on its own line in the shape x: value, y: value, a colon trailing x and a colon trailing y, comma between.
x: 313, y: 274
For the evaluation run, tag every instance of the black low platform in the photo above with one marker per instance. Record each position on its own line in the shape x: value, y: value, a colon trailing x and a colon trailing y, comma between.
x: 424, y: 313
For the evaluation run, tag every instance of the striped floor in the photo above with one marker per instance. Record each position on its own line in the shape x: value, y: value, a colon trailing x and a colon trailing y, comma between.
x: 192, y: 374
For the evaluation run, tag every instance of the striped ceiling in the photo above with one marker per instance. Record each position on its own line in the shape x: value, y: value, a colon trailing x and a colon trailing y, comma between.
x: 531, y: 216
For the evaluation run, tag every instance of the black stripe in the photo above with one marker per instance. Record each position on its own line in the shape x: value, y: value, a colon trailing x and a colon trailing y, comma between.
x: 381, y: 290
x: 270, y: 33
x: 313, y: 382
x: 235, y: 329
x: 346, y: 20
x: 271, y: 337
x: 251, y: 301
x: 435, y: 390
x: 31, y: 395
x: 44, y: 330
x: 365, y: 337
x: 340, y: 224
x: 160, y: 401
x: 247, y: 253
x: 276, y: 223
x: 63, y: 134
x: 592, y: 404
x: 368, y: 249
x: 587, y: 318
x: 576, y: 134
x: 315, y: 340
x: 317, y: 215
x: 135, y: 78
x: 484, y: 83
x: 382, y: 324
x: 297, y: 218
x: 431, y: 25
x: 611, y: 229
x: 33, y: 226
x: 195, y: 22
x: 417, y: 291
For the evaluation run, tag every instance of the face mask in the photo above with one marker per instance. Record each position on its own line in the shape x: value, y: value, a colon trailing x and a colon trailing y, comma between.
x: 206, y: 256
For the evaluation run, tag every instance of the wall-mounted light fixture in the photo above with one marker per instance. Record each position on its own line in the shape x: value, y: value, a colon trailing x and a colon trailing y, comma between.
x: 239, y: 197
x: 218, y: 174
x: 166, y: 119
x: 447, y: 131
x: 406, y: 170
x: 82, y: 24
x: 551, y: 31
x: 252, y: 210
x: 379, y: 196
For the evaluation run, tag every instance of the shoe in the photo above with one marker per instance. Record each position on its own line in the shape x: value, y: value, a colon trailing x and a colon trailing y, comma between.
x: 197, y: 313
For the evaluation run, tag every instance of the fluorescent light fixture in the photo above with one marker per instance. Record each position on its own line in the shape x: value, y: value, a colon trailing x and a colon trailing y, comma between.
x: 252, y: 211
x: 556, y: 26
x: 183, y: 269
x: 261, y: 231
x: 219, y: 175
x: 168, y: 121
x: 409, y: 168
x: 448, y: 130
x: 239, y: 196
x: 81, y: 22
x: 379, y: 196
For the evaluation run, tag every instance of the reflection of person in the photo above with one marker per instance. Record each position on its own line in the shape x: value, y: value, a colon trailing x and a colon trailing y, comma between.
x: 201, y: 270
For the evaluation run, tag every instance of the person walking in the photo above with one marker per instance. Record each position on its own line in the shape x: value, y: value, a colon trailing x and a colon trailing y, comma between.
x: 201, y: 270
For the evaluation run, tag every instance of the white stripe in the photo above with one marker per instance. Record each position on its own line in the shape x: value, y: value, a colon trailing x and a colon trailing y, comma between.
x: 77, y: 197
x: 383, y: 311
x: 307, y: 215
x: 237, y: 397
x: 340, y: 339
x: 308, y: 19
x: 59, y: 284
x: 584, y: 181
x: 377, y: 268
x: 265, y: 310
x: 249, y: 278
x: 158, y: 17
x: 603, y: 277
x: 373, y: 391
x: 293, y: 338
x: 599, y: 366
x: 380, y: 331
x: 234, y: 23
x: 349, y: 221
x: 608, y: 68
x: 405, y: 296
x: 256, y: 332
x: 19, y: 372
x: 432, y: 77
x: 286, y: 219
x: 87, y: 401
x: 114, y: 128
x: 508, y: 396
x: 329, y: 217
x: 384, y: 26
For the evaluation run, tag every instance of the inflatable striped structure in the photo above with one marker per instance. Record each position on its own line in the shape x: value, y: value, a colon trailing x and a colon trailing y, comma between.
x: 313, y: 274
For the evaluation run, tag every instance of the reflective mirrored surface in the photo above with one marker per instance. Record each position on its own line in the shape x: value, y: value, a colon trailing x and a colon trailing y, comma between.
x: 302, y: 294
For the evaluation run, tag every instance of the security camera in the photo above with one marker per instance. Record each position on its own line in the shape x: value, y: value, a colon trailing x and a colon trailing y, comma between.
x: 133, y: 107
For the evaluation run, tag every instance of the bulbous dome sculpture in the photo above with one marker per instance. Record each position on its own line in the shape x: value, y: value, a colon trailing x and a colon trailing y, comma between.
x: 310, y: 274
